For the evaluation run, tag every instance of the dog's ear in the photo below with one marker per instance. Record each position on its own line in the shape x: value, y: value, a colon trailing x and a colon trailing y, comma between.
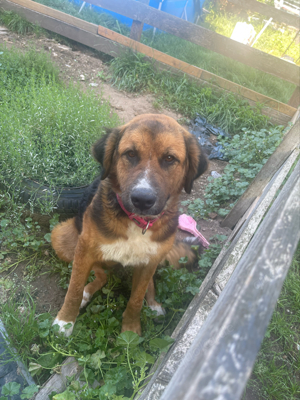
x: 196, y: 159
x: 103, y: 150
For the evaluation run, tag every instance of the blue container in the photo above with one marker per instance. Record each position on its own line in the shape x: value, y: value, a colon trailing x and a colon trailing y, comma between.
x: 180, y: 8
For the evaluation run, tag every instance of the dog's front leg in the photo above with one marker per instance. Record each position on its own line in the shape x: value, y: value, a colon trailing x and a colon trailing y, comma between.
x: 82, y: 266
x: 141, y: 278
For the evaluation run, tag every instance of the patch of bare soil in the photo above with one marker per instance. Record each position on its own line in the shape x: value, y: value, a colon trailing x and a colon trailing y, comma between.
x: 80, y: 64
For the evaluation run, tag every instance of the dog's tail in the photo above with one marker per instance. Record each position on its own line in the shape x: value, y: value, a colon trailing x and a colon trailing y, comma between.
x: 183, y: 249
x: 64, y: 238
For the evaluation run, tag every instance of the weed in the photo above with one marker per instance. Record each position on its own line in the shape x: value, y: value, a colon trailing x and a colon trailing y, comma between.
x: 18, y: 24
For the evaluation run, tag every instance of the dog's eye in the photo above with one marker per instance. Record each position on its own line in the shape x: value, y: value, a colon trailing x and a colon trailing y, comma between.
x: 169, y: 159
x: 131, y: 154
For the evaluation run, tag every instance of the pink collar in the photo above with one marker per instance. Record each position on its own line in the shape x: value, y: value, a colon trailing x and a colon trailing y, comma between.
x: 139, y: 221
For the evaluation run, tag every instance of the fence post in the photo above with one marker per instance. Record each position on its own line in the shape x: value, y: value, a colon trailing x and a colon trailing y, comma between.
x: 137, y: 26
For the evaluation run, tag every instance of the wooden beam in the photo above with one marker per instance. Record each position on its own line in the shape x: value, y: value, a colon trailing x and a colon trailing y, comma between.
x: 295, y: 99
x: 221, y: 357
x: 137, y: 26
x: 203, y: 37
x: 63, y: 24
x: 288, y: 144
x: 268, y: 11
x: 195, y: 71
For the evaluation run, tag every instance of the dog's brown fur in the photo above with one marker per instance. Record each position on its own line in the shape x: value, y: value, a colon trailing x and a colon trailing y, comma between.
x: 153, y: 149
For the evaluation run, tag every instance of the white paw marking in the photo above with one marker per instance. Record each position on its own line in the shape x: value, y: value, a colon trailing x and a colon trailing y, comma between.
x: 67, y: 332
x: 85, y: 299
x: 159, y: 310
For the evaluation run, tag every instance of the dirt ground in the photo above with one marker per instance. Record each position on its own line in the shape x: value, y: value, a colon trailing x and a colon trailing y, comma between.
x: 80, y: 64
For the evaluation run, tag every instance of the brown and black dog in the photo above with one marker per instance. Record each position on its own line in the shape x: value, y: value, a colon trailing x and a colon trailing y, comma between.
x: 129, y: 216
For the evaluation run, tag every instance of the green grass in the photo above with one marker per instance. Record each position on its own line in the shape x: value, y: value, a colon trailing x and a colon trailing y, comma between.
x: 276, y: 374
x: 132, y: 73
x: 18, y: 24
x: 47, y: 128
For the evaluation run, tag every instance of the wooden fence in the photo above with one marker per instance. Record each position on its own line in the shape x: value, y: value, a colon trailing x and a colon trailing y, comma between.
x: 112, y: 43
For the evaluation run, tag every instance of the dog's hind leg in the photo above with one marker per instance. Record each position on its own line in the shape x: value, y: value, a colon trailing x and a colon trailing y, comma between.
x: 183, y: 249
x: 64, y: 238
x: 94, y: 286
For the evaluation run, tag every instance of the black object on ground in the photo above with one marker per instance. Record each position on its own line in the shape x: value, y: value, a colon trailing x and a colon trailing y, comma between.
x: 202, y: 130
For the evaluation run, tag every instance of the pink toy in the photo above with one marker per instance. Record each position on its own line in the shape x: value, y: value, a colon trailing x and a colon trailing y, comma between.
x: 187, y: 223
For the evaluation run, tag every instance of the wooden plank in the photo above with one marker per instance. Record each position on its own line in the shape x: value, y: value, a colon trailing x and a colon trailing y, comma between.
x: 56, y: 23
x: 222, y: 356
x: 195, y: 71
x: 288, y: 144
x: 137, y: 26
x: 295, y: 99
x: 50, y: 12
x: 57, y: 382
x: 203, y: 37
x: 269, y: 11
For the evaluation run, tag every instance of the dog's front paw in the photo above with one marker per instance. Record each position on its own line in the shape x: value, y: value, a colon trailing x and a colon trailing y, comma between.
x: 133, y: 326
x: 159, y: 310
x: 65, y: 331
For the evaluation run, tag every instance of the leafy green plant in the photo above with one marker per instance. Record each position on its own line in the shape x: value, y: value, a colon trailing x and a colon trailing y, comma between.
x: 247, y: 153
x: 13, y: 388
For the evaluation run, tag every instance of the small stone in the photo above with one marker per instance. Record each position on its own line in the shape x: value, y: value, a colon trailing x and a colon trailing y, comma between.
x: 212, y: 215
x: 94, y: 84
x: 82, y: 77
x: 54, y: 54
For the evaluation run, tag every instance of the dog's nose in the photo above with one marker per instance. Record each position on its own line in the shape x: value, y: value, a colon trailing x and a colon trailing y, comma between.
x: 143, y: 199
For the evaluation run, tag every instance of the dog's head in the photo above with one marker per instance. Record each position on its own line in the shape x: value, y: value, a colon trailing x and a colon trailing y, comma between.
x: 148, y: 161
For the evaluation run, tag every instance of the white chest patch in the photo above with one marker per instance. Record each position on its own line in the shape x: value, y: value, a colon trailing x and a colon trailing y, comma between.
x: 135, y: 250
